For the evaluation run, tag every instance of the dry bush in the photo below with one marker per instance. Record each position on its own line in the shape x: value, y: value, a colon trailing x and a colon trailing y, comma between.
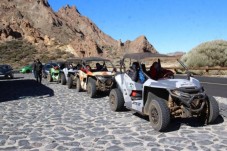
x: 18, y: 53
x: 210, y: 54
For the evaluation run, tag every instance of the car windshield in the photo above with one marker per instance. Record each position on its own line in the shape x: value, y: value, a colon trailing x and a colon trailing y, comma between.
x: 54, y: 64
x: 48, y: 66
x: 1, y: 68
x: 4, y: 67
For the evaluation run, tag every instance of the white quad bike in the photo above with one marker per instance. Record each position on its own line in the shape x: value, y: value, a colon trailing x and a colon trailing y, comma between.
x: 162, y: 99
x: 69, y: 72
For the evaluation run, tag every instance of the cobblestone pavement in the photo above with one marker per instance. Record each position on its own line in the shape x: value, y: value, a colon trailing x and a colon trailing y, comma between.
x: 67, y: 120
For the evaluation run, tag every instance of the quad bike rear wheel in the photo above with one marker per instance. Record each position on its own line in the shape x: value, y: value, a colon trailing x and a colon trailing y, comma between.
x: 159, y: 114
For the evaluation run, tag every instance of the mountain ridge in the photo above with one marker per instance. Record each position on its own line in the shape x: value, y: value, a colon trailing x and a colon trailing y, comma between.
x: 66, y: 29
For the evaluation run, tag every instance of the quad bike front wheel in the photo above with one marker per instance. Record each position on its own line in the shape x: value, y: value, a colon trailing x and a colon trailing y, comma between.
x: 116, y: 100
x: 44, y: 75
x: 70, y: 82
x: 49, y: 78
x: 63, y: 79
x: 159, y: 114
x: 78, y: 85
x: 91, y: 88
x: 213, y: 109
x: 210, y: 112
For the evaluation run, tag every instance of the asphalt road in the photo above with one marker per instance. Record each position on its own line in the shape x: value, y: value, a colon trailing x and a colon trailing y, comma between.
x: 213, y: 85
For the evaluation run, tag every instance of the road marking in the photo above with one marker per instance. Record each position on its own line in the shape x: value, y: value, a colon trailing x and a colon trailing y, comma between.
x: 214, y: 83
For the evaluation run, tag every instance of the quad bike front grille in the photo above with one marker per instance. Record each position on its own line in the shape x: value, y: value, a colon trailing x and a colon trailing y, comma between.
x: 197, y: 105
x: 105, y: 83
x: 191, y: 98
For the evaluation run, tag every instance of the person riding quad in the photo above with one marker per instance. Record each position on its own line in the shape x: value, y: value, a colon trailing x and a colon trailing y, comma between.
x: 99, y: 67
x: 157, y: 72
x: 133, y: 72
x: 86, y: 69
x: 142, y: 70
x: 78, y: 66
x: 70, y: 66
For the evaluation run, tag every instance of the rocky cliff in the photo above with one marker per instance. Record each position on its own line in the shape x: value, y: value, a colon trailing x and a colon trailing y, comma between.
x: 67, y: 29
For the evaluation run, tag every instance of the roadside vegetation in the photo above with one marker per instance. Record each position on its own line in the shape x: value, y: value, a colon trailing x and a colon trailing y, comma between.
x: 18, y: 53
x: 208, y: 54
x: 211, y: 54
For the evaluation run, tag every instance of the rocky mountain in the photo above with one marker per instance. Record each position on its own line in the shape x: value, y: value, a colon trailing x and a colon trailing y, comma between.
x: 36, y: 22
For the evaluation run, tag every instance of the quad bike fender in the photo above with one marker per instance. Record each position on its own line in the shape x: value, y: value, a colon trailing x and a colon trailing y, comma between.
x: 84, y: 82
x: 119, y: 81
x: 65, y: 71
x: 172, y: 83
x: 93, y: 77
x: 155, y: 84
x: 149, y: 98
x: 195, y: 82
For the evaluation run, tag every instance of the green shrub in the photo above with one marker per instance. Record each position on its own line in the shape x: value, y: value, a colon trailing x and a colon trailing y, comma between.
x: 213, y: 53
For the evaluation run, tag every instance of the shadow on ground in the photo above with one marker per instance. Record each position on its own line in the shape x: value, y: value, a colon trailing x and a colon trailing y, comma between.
x: 176, y: 123
x: 16, y: 89
x: 99, y: 94
x: 3, y: 78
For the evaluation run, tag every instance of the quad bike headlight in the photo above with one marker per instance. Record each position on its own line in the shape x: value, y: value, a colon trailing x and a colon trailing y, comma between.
x: 181, y: 94
x: 109, y: 81
x: 105, y: 80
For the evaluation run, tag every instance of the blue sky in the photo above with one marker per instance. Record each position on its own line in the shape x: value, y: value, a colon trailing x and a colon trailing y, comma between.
x: 169, y: 25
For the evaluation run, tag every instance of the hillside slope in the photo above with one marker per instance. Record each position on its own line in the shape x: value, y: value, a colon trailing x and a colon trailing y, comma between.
x: 35, y: 21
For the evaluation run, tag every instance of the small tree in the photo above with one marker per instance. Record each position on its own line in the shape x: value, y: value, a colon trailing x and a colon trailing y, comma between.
x: 213, y: 53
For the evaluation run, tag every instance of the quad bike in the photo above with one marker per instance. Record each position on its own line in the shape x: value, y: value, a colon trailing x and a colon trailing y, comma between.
x: 69, y: 72
x: 164, y: 98
x: 54, y: 74
x: 96, y: 75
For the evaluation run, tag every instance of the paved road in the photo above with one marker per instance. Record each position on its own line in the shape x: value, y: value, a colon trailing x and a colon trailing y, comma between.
x: 52, y: 117
x: 213, y: 86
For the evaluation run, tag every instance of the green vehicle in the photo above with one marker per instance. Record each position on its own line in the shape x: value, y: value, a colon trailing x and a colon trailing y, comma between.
x: 26, y: 69
x: 54, y: 74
